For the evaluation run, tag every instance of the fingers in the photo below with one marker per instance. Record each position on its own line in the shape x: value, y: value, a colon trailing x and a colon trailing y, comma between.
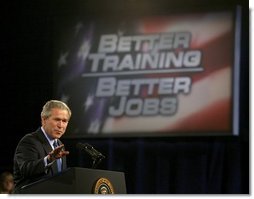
x: 59, y: 148
x: 59, y: 152
x: 64, y: 153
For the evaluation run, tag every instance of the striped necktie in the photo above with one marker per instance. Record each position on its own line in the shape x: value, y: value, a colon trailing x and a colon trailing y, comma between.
x: 59, y: 161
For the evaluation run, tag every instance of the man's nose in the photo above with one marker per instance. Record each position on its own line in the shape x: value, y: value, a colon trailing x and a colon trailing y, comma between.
x: 60, y: 123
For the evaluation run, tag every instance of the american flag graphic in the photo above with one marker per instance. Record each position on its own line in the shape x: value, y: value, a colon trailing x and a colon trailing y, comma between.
x: 208, y: 107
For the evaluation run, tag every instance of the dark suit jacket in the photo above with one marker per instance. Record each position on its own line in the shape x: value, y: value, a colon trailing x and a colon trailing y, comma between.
x: 29, y: 156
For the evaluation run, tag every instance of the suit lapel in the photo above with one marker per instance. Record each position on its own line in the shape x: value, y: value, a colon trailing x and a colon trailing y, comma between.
x: 47, y: 148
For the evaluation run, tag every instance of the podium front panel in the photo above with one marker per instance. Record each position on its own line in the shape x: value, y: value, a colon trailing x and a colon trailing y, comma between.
x: 77, y: 180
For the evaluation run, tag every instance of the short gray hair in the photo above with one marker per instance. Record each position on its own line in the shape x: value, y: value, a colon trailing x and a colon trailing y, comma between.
x: 46, y: 110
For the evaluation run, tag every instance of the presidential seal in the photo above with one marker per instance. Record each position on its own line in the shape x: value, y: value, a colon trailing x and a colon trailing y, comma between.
x: 103, y: 186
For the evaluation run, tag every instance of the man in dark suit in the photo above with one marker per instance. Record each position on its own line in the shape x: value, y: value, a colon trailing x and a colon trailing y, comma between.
x: 41, y: 154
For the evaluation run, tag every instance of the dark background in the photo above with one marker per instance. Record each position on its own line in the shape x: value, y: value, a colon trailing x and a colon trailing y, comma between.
x: 151, y: 165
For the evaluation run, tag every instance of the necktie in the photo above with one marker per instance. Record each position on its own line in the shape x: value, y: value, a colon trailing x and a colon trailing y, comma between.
x: 58, y: 161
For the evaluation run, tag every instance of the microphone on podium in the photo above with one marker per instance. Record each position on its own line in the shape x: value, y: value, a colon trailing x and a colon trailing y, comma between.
x: 95, y: 155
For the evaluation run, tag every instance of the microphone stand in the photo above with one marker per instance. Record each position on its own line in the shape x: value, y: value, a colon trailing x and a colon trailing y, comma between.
x: 95, y: 155
x: 96, y: 161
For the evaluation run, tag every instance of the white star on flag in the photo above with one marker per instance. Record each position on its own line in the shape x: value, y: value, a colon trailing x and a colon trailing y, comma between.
x: 94, y: 126
x: 78, y: 27
x: 62, y: 60
x: 84, y: 50
x: 88, y: 102
x: 65, y: 98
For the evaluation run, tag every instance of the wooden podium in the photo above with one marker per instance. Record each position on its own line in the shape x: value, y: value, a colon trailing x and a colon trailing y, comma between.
x: 77, y: 180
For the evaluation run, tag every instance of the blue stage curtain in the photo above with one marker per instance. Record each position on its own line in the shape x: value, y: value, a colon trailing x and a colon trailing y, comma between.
x: 170, y: 165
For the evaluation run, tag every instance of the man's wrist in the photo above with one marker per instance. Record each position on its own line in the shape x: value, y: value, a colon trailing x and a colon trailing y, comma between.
x: 49, y: 159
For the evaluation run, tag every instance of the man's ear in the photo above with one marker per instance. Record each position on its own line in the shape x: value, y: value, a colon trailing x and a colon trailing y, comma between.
x: 43, y: 120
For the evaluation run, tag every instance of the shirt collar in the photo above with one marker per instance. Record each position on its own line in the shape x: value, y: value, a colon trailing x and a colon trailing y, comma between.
x: 50, y: 140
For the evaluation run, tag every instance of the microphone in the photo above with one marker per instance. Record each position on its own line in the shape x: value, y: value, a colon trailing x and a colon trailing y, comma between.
x: 90, y: 150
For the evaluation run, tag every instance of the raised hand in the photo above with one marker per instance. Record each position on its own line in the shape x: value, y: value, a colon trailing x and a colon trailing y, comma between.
x: 57, y: 153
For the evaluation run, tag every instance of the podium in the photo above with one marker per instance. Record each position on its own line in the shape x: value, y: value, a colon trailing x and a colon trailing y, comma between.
x: 77, y: 180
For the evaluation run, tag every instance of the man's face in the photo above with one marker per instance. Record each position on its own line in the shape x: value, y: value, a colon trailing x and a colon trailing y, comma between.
x: 8, y: 183
x: 56, y: 124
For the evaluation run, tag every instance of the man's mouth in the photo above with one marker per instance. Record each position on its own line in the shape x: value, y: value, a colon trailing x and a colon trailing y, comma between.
x: 58, y: 132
